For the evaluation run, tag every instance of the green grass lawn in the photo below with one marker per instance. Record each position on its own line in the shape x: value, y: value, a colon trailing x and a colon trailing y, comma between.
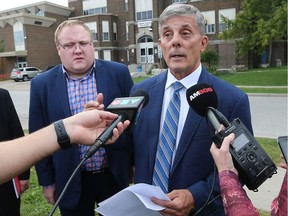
x: 275, y: 77
x: 34, y: 204
x: 263, y: 77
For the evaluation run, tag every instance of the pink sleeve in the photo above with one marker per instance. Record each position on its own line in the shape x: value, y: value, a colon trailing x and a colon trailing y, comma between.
x: 279, y: 204
x: 235, y: 199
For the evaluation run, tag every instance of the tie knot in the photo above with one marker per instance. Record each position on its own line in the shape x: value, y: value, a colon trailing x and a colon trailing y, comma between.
x: 177, y: 86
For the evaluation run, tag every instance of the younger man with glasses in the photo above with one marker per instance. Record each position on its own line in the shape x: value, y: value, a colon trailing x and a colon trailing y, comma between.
x: 63, y: 91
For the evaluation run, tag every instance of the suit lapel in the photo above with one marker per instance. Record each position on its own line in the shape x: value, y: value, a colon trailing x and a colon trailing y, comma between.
x: 101, y: 81
x: 60, y: 92
x: 191, y: 124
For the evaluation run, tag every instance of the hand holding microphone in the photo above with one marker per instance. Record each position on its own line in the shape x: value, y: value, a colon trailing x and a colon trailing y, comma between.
x: 127, y: 108
x: 250, y: 159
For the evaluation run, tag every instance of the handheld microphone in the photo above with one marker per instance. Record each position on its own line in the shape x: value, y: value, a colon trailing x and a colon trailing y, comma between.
x: 206, y: 104
x: 127, y: 108
x: 251, y: 161
x: 130, y: 106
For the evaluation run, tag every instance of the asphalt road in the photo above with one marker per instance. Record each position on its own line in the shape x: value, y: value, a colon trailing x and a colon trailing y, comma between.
x: 269, y: 112
x: 269, y: 119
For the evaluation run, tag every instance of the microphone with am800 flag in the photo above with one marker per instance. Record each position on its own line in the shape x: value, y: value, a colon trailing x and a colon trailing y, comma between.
x: 251, y: 161
x: 127, y: 108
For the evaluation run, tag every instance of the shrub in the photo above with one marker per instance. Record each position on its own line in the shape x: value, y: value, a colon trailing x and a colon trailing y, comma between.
x: 211, y: 58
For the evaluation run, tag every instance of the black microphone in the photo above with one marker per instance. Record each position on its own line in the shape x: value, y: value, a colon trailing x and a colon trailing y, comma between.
x: 250, y: 159
x: 203, y: 100
x: 127, y: 108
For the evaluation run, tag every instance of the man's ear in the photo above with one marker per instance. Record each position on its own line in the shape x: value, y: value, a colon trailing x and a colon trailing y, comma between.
x: 204, y: 43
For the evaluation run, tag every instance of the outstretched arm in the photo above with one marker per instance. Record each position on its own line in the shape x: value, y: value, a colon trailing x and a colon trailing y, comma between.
x: 20, y: 154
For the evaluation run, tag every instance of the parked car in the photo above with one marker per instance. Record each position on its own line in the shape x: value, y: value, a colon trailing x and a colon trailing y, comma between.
x: 24, y: 74
x: 46, y: 68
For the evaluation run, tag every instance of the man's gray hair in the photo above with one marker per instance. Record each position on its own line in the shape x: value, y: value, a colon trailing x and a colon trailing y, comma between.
x: 182, y: 10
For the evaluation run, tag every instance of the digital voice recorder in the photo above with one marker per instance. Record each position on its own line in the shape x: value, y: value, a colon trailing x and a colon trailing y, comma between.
x: 250, y: 159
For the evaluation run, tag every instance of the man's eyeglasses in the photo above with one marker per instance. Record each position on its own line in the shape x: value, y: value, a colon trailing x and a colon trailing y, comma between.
x: 71, y: 46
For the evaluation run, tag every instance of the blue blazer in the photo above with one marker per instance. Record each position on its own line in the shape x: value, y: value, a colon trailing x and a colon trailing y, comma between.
x: 49, y: 103
x: 193, y: 164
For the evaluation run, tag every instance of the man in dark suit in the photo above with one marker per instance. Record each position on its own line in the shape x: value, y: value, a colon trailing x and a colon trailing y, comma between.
x: 10, y: 128
x: 63, y: 91
x: 190, y: 178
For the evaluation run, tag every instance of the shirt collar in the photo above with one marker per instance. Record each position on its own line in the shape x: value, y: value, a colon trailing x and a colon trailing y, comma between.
x: 84, y: 77
x: 187, y: 81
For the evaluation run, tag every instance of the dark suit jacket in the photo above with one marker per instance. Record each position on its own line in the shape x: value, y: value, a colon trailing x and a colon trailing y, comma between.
x: 193, y: 164
x: 10, y: 128
x: 49, y: 103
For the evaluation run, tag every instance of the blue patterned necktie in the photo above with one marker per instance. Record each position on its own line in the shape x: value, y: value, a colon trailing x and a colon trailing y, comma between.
x: 167, y: 141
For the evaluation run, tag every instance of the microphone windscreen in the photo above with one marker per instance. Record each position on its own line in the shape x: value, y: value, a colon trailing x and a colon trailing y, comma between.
x: 141, y: 92
x: 200, y: 97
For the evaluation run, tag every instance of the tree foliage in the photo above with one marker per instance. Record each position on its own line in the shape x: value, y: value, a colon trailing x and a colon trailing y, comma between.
x: 210, y: 57
x: 2, y: 45
x: 257, y: 25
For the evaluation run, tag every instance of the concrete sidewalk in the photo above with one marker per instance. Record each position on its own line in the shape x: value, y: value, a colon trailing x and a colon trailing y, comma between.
x: 267, y: 191
x: 269, y: 119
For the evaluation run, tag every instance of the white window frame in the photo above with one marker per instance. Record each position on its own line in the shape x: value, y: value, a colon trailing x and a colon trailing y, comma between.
x: 229, y: 13
x: 105, y: 29
x: 93, y: 28
x: 209, y: 17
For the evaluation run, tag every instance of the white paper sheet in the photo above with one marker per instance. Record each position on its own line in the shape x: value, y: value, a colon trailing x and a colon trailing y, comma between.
x: 133, y: 200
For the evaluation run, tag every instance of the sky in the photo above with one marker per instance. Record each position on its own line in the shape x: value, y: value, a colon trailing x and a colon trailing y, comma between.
x: 17, y: 3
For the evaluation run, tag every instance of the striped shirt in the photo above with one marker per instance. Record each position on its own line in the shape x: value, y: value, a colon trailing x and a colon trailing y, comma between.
x: 81, y: 91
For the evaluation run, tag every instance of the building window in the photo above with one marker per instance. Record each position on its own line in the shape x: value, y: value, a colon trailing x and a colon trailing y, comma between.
x: 209, y: 17
x: 210, y: 28
x: 144, y: 15
x: 126, y: 6
x: 19, y: 37
x: 229, y: 13
x: 114, y: 31
x: 127, y: 31
x: 179, y: 1
x: 21, y: 62
x: 107, y: 55
x: 145, y: 39
x: 94, y: 7
x: 144, y: 10
x: 93, y: 28
x: 105, y: 27
x: 146, y: 49
x: 96, y: 54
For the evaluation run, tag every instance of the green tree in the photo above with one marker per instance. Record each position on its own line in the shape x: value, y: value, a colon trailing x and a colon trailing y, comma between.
x: 257, y: 26
x: 2, y: 45
x: 211, y: 58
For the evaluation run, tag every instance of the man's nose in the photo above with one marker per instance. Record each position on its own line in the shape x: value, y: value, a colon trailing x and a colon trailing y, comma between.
x: 176, y: 40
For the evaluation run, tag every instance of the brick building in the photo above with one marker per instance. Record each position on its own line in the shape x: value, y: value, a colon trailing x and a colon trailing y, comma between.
x: 123, y: 30
x: 132, y: 26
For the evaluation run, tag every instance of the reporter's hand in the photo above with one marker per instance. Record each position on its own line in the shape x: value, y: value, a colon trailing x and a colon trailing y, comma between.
x: 283, y: 163
x: 222, y: 156
x: 86, y: 126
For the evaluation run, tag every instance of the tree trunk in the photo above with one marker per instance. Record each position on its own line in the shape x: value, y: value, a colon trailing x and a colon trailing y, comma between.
x: 270, y: 55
